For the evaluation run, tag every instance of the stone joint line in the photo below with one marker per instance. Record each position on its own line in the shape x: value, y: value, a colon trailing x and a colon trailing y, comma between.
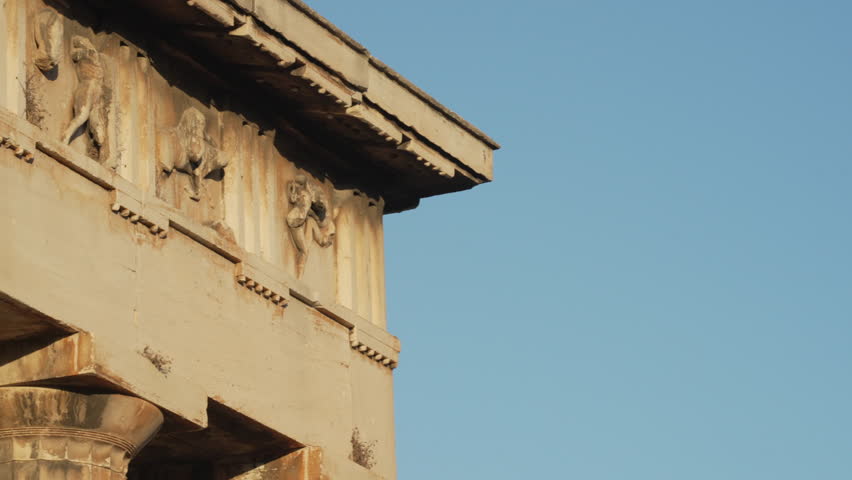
x: 76, y: 433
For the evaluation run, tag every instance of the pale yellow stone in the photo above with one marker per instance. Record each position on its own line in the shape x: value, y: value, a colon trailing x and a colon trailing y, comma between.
x: 49, y: 428
x: 196, y: 240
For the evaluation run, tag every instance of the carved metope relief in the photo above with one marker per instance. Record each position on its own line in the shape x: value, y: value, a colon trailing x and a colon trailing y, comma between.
x: 89, y: 102
x: 311, y: 218
x: 48, y: 50
x: 47, y: 33
x: 196, y: 155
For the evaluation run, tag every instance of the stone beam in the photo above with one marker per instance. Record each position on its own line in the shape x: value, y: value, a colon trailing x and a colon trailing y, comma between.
x: 74, y: 361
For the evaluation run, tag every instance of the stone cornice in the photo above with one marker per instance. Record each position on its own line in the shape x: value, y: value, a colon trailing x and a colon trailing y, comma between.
x: 255, y: 8
x: 381, y: 66
x: 343, y: 90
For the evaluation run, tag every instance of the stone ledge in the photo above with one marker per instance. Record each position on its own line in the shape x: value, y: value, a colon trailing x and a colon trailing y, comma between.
x: 81, y: 164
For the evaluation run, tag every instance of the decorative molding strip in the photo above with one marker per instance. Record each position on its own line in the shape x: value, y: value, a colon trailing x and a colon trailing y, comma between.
x: 429, y: 158
x: 83, y: 165
x: 204, y: 235
x: 334, y: 314
x: 376, y: 122
x: 364, y: 337
x: 326, y: 86
x: 263, y: 291
x: 264, y: 279
x: 370, y: 353
x: 73, y: 433
x: 307, y: 296
x: 217, y: 10
x: 20, y: 151
x: 283, y: 55
x: 129, y: 207
x: 135, y: 217
x: 384, y: 357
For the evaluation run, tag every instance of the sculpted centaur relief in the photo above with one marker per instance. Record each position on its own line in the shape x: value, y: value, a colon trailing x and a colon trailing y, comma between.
x: 89, y: 102
x: 196, y: 155
x: 311, y: 218
x: 47, y: 33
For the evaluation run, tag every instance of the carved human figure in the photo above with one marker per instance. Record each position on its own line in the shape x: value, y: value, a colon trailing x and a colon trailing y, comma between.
x: 310, y: 215
x: 89, y: 94
x: 197, y: 155
x: 47, y: 34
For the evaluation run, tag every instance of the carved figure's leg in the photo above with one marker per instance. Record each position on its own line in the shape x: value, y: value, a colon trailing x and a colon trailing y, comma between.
x: 82, y: 115
x: 301, y: 260
x: 82, y: 110
x: 76, y: 123
x: 320, y: 234
x: 195, y: 184
x: 97, y: 124
x: 208, y: 165
x: 298, y: 236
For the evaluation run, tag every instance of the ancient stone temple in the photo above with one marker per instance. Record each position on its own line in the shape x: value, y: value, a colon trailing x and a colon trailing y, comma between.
x: 191, y: 259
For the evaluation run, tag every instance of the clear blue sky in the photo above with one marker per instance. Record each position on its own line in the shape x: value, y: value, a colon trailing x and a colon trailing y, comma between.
x: 658, y: 284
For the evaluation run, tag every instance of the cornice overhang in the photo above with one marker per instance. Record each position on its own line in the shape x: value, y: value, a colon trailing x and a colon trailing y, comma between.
x: 410, y: 145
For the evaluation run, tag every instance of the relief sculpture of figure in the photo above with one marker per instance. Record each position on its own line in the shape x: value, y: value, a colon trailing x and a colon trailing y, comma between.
x: 47, y: 33
x: 310, y: 215
x: 88, y: 96
x: 197, y: 154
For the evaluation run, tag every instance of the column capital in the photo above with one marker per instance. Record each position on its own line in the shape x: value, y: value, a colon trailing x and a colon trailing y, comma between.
x: 46, y: 433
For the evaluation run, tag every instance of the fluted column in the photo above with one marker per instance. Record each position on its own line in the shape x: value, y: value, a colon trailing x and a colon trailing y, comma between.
x: 51, y: 434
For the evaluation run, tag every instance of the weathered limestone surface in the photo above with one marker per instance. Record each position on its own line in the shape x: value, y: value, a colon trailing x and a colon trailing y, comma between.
x: 191, y: 197
x: 50, y: 434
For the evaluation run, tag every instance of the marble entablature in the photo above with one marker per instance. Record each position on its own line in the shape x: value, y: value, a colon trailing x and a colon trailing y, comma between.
x: 195, y: 195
